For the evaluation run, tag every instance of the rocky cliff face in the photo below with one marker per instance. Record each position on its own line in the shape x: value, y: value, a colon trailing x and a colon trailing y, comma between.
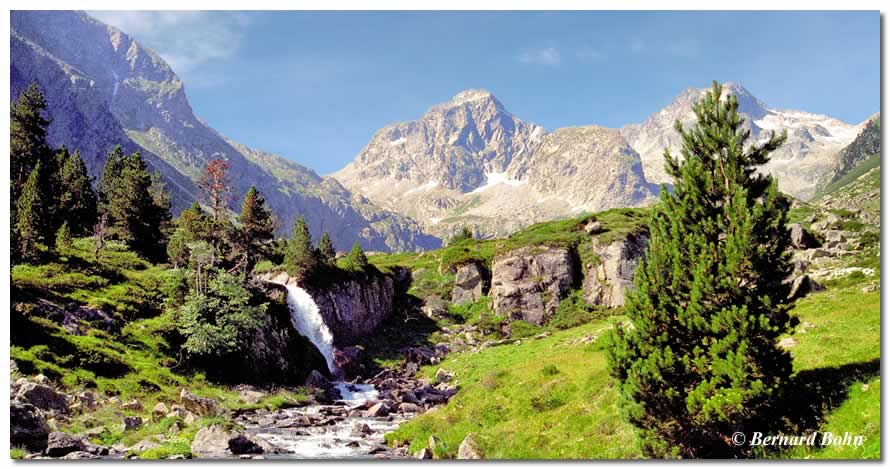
x: 104, y: 89
x: 813, y: 140
x: 351, y: 306
x: 865, y: 145
x: 276, y: 353
x: 470, y: 162
x: 354, y: 308
x: 606, y: 282
x: 528, y: 283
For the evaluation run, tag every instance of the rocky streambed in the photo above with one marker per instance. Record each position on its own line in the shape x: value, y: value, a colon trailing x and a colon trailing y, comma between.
x: 354, y: 424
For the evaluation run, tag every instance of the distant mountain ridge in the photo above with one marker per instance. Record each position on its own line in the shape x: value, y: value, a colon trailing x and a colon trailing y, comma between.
x: 810, y: 151
x: 465, y: 162
x: 470, y: 162
x: 104, y: 88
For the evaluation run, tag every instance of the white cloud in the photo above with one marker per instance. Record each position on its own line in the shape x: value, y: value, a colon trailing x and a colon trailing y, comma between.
x: 543, y: 56
x: 185, y: 39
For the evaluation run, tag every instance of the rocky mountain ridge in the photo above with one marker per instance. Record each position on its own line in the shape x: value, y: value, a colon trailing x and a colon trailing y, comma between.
x: 814, y: 140
x: 103, y: 88
x: 470, y: 162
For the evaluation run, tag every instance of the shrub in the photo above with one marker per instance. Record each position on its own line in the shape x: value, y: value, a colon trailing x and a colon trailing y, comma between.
x: 550, y: 370
x: 219, y: 320
x: 574, y: 311
x: 520, y: 329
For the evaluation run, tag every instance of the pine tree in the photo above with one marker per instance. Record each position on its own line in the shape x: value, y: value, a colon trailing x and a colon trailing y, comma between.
x: 27, y: 137
x: 299, y: 259
x: 112, y: 199
x: 138, y: 212
x: 63, y: 236
x: 326, y: 252
x: 257, y: 227
x: 31, y: 224
x: 77, y: 200
x: 191, y: 226
x: 699, y: 360
x: 356, y: 260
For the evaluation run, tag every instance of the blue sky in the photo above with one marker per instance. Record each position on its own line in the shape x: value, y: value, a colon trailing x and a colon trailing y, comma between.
x: 315, y: 86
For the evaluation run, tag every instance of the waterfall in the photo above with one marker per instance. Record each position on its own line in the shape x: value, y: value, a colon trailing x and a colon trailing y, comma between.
x: 307, y: 321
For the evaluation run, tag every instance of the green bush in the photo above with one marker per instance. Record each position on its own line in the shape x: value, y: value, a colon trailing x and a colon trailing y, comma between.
x: 574, y: 311
x: 550, y: 370
x: 520, y: 329
x: 219, y: 320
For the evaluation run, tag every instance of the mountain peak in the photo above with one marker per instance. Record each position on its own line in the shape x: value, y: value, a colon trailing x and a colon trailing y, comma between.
x: 472, y: 95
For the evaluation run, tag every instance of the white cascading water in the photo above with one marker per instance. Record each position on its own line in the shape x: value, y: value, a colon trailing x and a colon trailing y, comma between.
x: 308, y: 322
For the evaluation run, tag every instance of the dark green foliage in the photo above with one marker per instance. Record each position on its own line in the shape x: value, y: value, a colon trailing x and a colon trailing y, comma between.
x: 574, y: 311
x: 77, y: 204
x: 32, y: 222
x: 257, y: 228
x: 550, y: 370
x: 299, y: 259
x: 138, y: 210
x: 63, y: 236
x: 326, y: 252
x: 27, y: 137
x: 219, y: 319
x: 464, y: 234
x: 699, y: 360
x: 356, y: 260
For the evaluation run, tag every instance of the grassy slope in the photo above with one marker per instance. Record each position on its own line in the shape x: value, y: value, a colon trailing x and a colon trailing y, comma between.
x: 547, y: 398
x: 132, y: 364
x: 518, y: 410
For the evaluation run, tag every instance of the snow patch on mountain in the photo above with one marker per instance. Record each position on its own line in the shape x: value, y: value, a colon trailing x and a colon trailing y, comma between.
x: 493, y: 179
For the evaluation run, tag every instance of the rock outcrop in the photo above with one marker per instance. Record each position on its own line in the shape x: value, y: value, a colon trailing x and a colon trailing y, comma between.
x: 27, y: 427
x: 469, y: 284
x: 801, y: 238
x: 606, y: 282
x: 42, y: 396
x: 529, y: 282
x: 352, y: 306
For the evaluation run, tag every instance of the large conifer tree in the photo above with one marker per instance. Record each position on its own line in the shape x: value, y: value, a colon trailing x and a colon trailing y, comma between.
x: 77, y: 200
x: 299, y: 257
x: 257, y: 226
x: 32, y: 225
x: 137, y: 211
x: 326, y: 251
x: 27, y: 137
x: 699, y: 360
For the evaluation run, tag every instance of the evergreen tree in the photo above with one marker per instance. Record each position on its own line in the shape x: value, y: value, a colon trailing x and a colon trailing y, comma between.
x: 137, y: 211
x: 31, y: 223
x: 63, y: 236
x: 27, y: 137
x: 464, y: 234
x: 356, y: 260
x: 699, y: 360
x: 326, y: 252
x: 258, y: 229
x: 299, y: 259
x: 112, y: 199
x: 77, y: 201
x: 191, y: 226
